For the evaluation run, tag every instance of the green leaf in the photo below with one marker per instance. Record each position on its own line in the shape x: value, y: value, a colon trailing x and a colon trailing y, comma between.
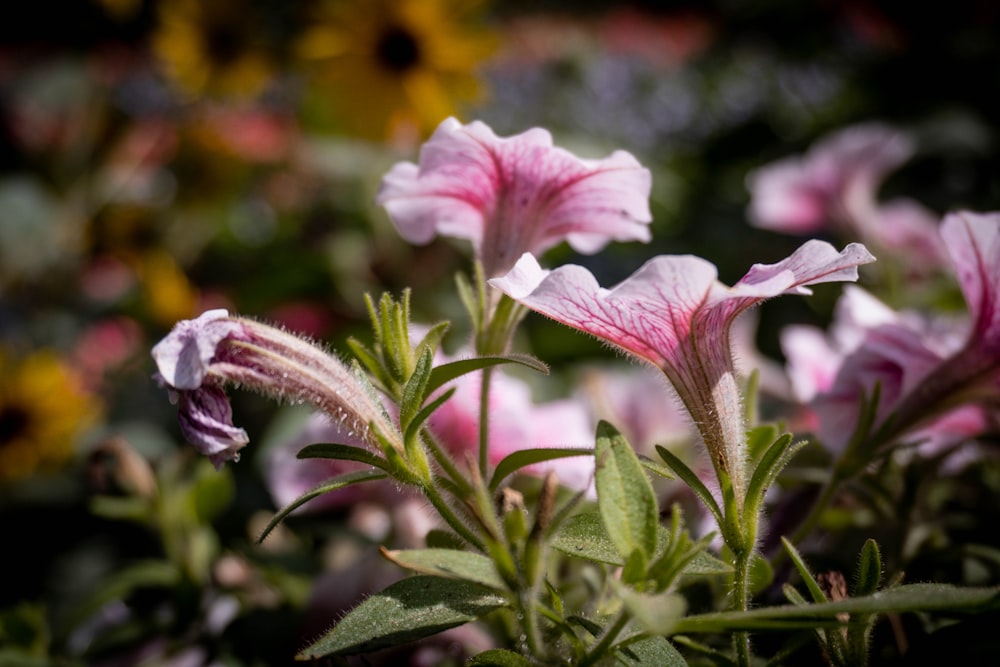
x: 869, y: 574
x: 815, y: 591
x: 408, y: 610
x: 415, y: 390
x: 432, y: 339
x: 651, y: 652
x: 689, y: 477
x: 445, y: 373
x: 775, y: 458
x: 438, y: 538
x: 943, y: 598
x: 657, y: 468
x: 424, y: 414
x: 332, y: 484
x: 448, y: 563
x: 526, y: 457
x: 625, y: 497
x: 498, y: 657
x: 585, y: 536
x: 342, y: 453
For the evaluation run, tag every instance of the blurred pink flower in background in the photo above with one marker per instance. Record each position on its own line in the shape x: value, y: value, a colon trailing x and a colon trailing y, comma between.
x: 835, y: 187
x: 514, y: 195
x: 517, y: 422
x: 935, y: 376
x: 639, y: 402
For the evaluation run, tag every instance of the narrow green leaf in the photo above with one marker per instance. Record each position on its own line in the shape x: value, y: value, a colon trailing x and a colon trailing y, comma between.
x: 942, y: 598
x: 625, y: 497
x: 425, y: 413
x: 408, y: 610
x: 869, y: 574
x: 812, y: 585
x: 657, y: 468
x: 775, y: 458
x: 689, y: 477
x: 332, y: 484
x: 526, y: 457
x: 587, y: 624
x: 368, y: 358
x: 432, y: 339
x: 445, y: 373
x: 415, y: 390
x: 343, y: 453
x: 498, y: 657
x: 448, y: 563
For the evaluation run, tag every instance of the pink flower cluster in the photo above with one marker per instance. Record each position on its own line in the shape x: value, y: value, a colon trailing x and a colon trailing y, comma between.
x: 935, y: 376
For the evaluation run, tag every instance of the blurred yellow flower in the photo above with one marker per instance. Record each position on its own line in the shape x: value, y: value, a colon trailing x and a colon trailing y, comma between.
x: 212, y: 47
x: 394, y: 69
x: 43, y: 410
x: 167, y: 292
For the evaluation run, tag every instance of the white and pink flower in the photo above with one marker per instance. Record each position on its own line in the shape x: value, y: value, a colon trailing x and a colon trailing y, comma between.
x: 674, y: 313
x: 511, y: 195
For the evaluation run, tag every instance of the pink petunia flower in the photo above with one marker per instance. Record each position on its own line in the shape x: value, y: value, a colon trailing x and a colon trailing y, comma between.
x: 972, y: 374
x: 835, y: 186
x: 935, y: 375
x: 674, y: 313
x: 511, y: 195
x: 198, y: 357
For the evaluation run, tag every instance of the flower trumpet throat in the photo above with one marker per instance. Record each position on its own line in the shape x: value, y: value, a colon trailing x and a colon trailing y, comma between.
x: 199, y: 357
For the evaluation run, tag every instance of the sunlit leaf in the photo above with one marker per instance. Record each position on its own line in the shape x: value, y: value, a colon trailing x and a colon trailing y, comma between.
x: 448, y: 563
x: 407, y: 610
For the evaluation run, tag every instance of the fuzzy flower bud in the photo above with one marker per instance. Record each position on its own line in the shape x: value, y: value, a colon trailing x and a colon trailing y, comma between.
x: 200, y: 356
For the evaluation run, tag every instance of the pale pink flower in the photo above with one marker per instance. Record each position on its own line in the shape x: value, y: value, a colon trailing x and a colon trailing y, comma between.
x: 971, y: 373
x: 637, y: 400
x: 835, y: 187
x: 935, y: 375
x: 839, y: 174
x: 198, y: 357
x: 288, y: 477
x: 517, y: 422
x: 674, y: 313
x: 511, y: 195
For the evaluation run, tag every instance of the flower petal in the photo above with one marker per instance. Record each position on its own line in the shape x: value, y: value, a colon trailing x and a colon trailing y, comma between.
x: 183, y: 356
x: 973, y: 240
x: 206, y: 421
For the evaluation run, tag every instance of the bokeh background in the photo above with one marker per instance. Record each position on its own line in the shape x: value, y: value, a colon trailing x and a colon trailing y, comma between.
x: 162, y: 157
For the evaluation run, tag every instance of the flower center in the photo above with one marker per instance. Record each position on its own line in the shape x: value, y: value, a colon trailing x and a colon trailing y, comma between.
x: 397, y: 49
x: 14, y: 421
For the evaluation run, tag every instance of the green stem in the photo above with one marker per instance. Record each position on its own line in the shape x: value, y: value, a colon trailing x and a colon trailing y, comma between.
x: 740, y: 602
x: 484, y: 423
x: 526, y: 601
x: 443, y: 459
x: 452, y: 519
